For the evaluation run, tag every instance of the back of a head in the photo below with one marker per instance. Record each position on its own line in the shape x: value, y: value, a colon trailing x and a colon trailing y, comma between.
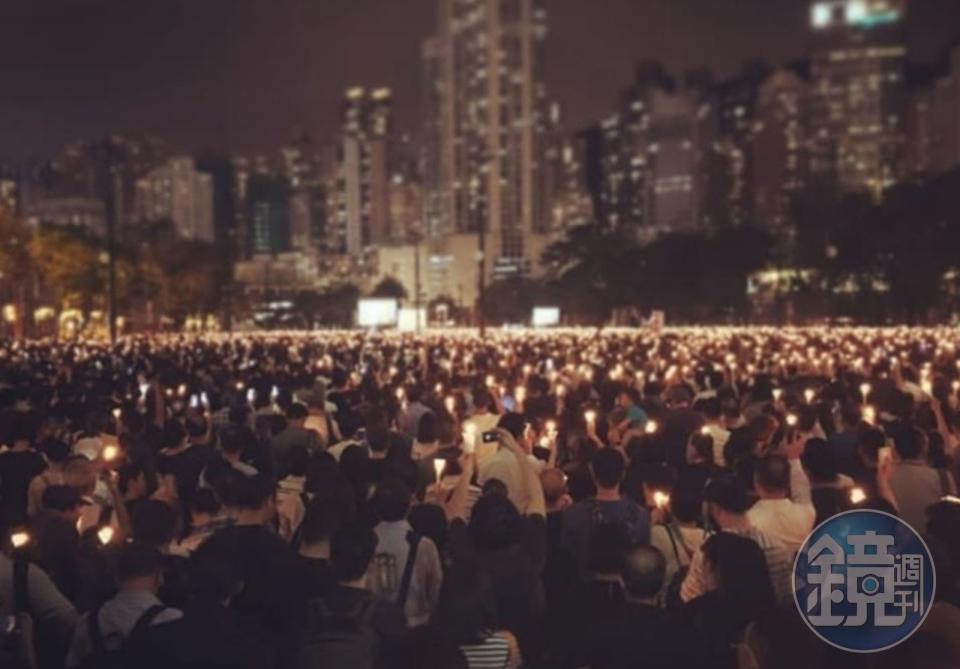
x: 391, y: 500
x: 154, y: 523
x: 173, y: 434
x: 296, y: 412
x: 513, y: 423
x: 55, y: 450
x: 607, y: 467
x: 295, y: 460
x: 686, y: 502
x: 235, y: 438
x: 351, y: 551
x: 256, y: 492
x: 494, y: 523
x: 378, y: 437
x: 137, y: 559
x: 324, y: 517
x: 711, y: 408
x: 740, y: 571
x: 908, y: 442
x: 467, y: 605
x: 727, y: 493
x: 196, y: 426
x: 427, y: 428
x: 819, y: 460
x: 772, y: 474
x: 554, y: 485
x: 643, y: 572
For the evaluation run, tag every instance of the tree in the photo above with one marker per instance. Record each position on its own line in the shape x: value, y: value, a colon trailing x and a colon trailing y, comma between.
x: 16, y: 263
x: 69, y: 262
x: 389, y: 287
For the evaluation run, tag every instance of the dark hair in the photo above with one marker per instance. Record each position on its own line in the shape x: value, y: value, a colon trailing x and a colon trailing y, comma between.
x: 741, y: 573
x: 378, y: 436
x: 710, y: 407
x: 205, y: 501
x: 256, y: 491
x: 235, y: 438
x: 466, y: 611
x: 55, y: 450
x: 196, y: 426
x: 154, y: 523
x: 351, y: 551
x: 643, y: 572
x: 427, y: 428
x: 686, y: 502
x: 773, y: 473
x: 608, y: 467
x: 173, y: 434
x: 819, y: 460
x: 126, y: 474
x: 296, y: 411
x: 702, y: 445
x: 494, y: 487
x: 909, y: 442
x: 494, y: 523
x: 137, y: 559
x: 727, y: 492
x: 391, y: 500
x: 323, y: 517
x: 513, y: 423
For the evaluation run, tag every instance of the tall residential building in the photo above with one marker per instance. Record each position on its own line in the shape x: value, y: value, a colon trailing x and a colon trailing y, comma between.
x: 779, y: 147
x: 858, y: 94
x: 364, y: 198
x: 268, y: 214
x: 485, y: 124
x: 176, y: 191
x: 10, y: 196
x: 934, y: 120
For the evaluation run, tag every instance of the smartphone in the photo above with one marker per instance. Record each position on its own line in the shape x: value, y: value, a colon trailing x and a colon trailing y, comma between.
x: 491, y: 437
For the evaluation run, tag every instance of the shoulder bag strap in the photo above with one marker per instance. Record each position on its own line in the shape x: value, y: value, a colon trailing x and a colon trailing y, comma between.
x: 414, y: 540
x: 146, y: 619
x: 21, y: 586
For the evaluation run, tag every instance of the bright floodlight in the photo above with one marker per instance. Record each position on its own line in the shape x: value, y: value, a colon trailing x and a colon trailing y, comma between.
x: 856, y: 12
x: 407, y: 319
x: 546, y: 317
x: 822, y: 14
x: 377, y: 312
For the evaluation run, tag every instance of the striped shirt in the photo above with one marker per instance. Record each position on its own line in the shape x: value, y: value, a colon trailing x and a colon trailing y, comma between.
x: 779, y: 567
x: 492, y: 653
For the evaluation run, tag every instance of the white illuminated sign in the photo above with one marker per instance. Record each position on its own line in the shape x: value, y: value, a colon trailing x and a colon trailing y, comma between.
x: 376, y: 312
x: 545, y: 317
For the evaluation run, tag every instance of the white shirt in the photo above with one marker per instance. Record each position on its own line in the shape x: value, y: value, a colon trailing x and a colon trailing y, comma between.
x: 720, y: 438
x: 787, y: 520
x: 504, y: 467
x: 481, y: 423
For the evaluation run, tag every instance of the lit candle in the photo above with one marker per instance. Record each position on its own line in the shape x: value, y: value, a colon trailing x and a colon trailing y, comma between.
x: 651, y: 427
x: 110, y: 453
x: 19, y: 539
x: 590, y: 416
x: 857, y: 495
x: 438, y: 465
x: 105, y: 534
x: 660, y: 499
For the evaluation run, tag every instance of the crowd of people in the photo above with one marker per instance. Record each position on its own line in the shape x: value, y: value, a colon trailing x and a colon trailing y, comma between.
x: 561, y: 499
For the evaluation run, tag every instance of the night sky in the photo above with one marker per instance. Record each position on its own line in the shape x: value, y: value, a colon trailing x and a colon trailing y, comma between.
x: 241, y: 74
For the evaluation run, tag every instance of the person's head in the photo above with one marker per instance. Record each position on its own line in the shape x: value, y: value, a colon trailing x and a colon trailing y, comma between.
x: 851, y: 417
x: 869, y: 444
x: 196, y: 426
x: 324, y: 517
x: 55, y: 451
x: 378, y: 437
x: 64, y: 501
x: 909, y: 442
x: 392, y: 499
x: 483, y: 401
x: 737, y: 568
x: 820, y: 461
x: 700, y: 451
x: 494, y: 523
x: 154, y: 523
x: 771, y: 477
x: 174, y: 435
x: 297, y: 414
x: 643, y: 572
x: 516, y: 425
x: 427, y: 428
x: 762, y: 430
x: 686, y: 502
x: 466, y: 609
x: 607, y: 467
x: 554, y: 484
x: 139, y: 567
x: 132, y: 481
x: 80, y: 473
x: 257, y: 501
x: 726, y: 499
x: 711, y: 409
x: 351, y: 552
x: 204, y: 507
x: 234, y: 439
x: 626, y: 398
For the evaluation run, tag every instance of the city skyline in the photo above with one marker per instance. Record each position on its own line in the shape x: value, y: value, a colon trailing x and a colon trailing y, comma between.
x: 187, y: 73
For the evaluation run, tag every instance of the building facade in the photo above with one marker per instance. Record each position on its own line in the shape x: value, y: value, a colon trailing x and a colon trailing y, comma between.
x: 176, y: 191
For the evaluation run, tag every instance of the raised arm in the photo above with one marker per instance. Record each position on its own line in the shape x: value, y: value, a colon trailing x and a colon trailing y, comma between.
x: 536, y: 505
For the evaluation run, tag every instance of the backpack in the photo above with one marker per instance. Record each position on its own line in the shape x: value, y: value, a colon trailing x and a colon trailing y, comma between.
x: 630, y: 521
x: 385, y: 571
x: 16, y: 634
x: 343, y: 639
x: 104, y: 658
x: 671, y: 594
